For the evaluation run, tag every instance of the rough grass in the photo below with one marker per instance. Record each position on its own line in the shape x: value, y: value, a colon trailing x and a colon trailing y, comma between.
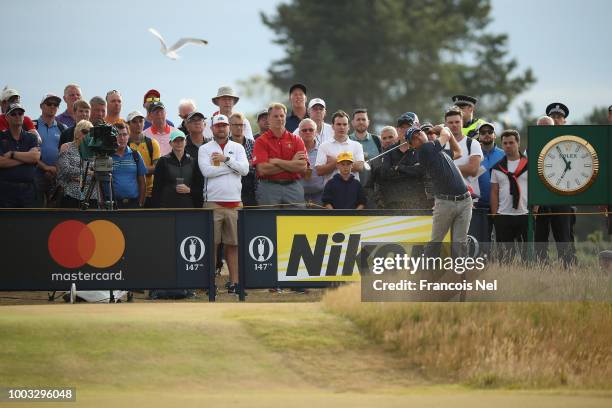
x: 513, y: 345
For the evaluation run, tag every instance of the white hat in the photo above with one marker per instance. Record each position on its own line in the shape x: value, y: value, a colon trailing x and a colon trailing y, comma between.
x: 8, y: 93
x: 220, y: 119
x: 51, y: 96
x: 134, y: 114
x: 316, y: 101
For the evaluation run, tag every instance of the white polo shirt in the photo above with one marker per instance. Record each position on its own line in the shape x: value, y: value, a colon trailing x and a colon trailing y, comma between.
x: 475, y: 150
x: 333, y: 148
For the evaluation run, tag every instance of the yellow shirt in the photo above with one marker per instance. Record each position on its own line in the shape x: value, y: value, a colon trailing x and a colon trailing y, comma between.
x: 144, y: 152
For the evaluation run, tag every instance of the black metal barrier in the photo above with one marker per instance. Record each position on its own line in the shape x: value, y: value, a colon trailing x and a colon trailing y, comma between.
x: 317, y: 248
x: 100, y: 250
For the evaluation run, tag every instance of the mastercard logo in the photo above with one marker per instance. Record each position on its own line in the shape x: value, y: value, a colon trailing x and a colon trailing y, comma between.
x: 73, y: 244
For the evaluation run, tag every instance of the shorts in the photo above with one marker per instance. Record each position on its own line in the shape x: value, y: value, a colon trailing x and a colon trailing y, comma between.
x: 226, y: 223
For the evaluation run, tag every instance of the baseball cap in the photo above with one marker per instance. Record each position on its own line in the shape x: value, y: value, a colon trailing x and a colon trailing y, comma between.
x: 8, y: 93
x: 133, y: 115
x: 316, y: 101
x: 410, y: 132
x: 219, y: 119
x: 345, y: 156
x: 260, y: 114
x: 151, y: 93
x: 426, y: 126
x: 297, y: 86
x: 195, y: 114
x: 410, y: 118
x: 175, y: 134
x: 486, y: 124
x: 51, y: 96
x: 156, y: 105
x: 14, y: 106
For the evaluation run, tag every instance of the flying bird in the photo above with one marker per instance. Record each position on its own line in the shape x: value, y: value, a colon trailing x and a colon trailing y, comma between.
x: 171, y: 52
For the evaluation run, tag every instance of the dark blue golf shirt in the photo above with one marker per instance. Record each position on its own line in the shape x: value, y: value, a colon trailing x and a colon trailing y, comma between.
x: 444, y: 173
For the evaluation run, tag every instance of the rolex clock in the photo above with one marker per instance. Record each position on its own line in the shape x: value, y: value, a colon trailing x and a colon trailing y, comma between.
x: 568, y: 165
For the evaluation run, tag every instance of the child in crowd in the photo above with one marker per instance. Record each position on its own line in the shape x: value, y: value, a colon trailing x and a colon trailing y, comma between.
x: 343, y: 191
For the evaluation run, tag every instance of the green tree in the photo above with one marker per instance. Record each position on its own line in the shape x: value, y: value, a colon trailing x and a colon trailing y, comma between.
x: 598, y: 116
x: 392, y: 56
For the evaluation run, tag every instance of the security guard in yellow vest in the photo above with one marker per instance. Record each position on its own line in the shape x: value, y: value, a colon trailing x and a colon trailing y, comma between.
x: 467, y: 104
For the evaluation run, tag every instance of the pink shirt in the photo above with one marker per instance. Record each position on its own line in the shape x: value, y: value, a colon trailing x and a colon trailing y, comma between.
x: 162, y: 136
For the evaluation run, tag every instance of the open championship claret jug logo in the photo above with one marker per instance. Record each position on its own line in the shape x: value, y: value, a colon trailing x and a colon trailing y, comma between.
x: 73, y: 244
x: 192, y: 249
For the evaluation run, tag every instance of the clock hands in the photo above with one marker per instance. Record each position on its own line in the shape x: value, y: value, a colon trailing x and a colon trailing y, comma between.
x: 568, y: 164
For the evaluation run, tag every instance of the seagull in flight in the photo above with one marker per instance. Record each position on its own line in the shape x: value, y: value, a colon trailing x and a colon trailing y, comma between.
x: 171, y: 52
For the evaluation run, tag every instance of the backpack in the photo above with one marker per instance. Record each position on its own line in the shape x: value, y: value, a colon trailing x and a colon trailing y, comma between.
x: 149, y: 144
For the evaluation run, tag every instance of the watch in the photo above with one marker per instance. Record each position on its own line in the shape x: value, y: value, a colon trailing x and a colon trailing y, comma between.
x: 568, y: 165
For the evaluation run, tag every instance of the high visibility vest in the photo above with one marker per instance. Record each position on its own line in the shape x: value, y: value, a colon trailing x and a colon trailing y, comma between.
x: 471, y: 129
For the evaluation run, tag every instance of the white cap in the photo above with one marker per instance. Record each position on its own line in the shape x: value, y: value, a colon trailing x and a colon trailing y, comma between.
x: 51, y: 96
x: 134, y: 114
x: 8, y: 93
x: 316, y: 101
x: 220, y: 119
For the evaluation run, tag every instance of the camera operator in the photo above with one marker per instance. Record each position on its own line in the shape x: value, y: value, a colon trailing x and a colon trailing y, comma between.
x: 128, y: 173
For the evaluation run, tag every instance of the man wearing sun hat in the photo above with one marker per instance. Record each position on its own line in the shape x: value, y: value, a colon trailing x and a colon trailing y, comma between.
x: 226, y: 99
x: 152, y: 95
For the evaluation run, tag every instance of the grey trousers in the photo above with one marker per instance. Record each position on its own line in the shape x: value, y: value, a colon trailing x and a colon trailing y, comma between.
x: 271, y: 193
x: 454, y: 215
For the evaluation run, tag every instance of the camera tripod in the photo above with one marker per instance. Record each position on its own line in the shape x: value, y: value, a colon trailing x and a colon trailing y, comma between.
x: 102, y: 177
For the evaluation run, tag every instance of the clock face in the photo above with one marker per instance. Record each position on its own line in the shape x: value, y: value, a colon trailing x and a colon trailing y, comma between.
x: 568, y: 165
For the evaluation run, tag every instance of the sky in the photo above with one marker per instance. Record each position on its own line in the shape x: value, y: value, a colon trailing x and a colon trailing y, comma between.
x: 106, y: 45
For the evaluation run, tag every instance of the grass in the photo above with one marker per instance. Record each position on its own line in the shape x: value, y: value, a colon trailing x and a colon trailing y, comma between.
x: 244, y: 355
x: 488, y: 345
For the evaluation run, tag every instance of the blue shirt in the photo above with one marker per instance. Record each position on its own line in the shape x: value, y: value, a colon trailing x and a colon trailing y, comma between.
x: 24, y: 173
x: 125, y: 172
x: 443, y: 172
x: 343, y: 194
x: 50, y: 135
x: 484, y: 181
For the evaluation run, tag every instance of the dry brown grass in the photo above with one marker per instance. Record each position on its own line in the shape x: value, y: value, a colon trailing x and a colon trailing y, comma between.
x: 515, y: 345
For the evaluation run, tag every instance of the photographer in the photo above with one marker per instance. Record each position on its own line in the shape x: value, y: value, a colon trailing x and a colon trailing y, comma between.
x: 128, y: 173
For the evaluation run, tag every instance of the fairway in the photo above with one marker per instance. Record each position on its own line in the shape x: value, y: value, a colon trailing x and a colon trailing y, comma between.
x: 251, y: 355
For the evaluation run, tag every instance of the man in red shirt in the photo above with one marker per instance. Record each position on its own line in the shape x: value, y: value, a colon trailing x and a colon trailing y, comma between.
x: 280, y: 158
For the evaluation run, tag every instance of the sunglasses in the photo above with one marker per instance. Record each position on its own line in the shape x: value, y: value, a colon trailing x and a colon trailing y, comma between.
x: 152, y: 99
x: 307, y: 130
x: 54, y: 104
x: 17, y: 113
x: 486, y: 132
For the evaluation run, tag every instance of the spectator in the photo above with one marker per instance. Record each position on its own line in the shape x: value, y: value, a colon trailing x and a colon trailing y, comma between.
x: 401, y: 178
x: 186, y: 106
x: 72, y: 93
x: 226, y: 100
x: 545, y: 121
x: 196, y: 123
x: 343, y: 191
x: 147, y: 147
x: 98, y: 110
x: 280, y: 159
x: 151, y: 96
x: 558, y: 112
x: 610, y: 114
x: 329, y: 151
x: 371, y: 145
x: 19, y: 153
x: 312, y: 183
x: 388, y: 137
x: 249, y: 182
x: 82, y: 110
x: 405, y: 122
x: 159, y: 130
x: 467, y: 104
x: 70, y: 172
x: 113, y: 103
x: 262, y: 122
x: 509, y: 196
x: 128, y: 173
x: 50, y: 130
x: 174, y: 176
x: 223, y: 163
x: 492, y: 154
x: 297, y: 97
x: 317, y: 112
